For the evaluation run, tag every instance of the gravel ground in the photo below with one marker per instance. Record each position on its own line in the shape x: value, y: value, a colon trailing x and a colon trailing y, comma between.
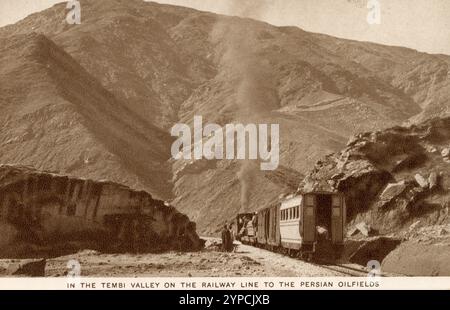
x: 246, y: 261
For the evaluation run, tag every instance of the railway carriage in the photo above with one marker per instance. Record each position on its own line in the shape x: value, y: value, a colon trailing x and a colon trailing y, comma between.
x: 268, y: 231
x: 301, y: 225
x: 246, y: 228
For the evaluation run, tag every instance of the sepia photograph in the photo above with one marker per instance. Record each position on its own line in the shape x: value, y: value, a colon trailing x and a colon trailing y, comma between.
x: 224, y: 145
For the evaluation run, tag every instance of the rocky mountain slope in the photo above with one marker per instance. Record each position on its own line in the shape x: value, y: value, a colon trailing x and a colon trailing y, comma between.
x: 390, y: 177
x: 397, y: 184
x: 44, y: 214
x: 117, y: 82
x: 56, y: 116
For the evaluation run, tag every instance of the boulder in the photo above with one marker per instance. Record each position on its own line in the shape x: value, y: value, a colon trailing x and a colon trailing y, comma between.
x: 430, y: 149
x: 433, y: 180
x: 392, y: 190
x: 414, y: 226
x: 354, y: 139
x: 445, y: 152
x: 421, y: 180
x: 27, y: 268
x: 364, y: 228
x: 376, y: 248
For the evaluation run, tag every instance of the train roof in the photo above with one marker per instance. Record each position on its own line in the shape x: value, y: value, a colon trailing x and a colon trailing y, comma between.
x: 320, y: 193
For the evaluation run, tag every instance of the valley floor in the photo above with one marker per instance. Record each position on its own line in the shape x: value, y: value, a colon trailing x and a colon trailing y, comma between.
x: 246, y: 261
x: 424, y: 256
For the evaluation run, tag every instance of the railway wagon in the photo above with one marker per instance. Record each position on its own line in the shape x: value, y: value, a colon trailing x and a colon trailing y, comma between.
x: 312, y: 223
x: 268, y: 229
x: 302, y: 225
x: 246, y: 227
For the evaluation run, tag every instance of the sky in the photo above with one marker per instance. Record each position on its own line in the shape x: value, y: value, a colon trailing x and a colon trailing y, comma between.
x: 420, y: 24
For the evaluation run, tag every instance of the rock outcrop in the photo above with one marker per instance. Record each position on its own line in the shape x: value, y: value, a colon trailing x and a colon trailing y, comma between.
x: 424, y: 253
x: 27, y: 268
x: 373, y: 249
x: 42, y: 212
x: 397, y: 182
x: 390, y: 178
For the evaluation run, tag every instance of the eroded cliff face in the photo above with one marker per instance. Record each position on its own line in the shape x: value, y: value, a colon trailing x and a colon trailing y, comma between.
x: 42, y: 213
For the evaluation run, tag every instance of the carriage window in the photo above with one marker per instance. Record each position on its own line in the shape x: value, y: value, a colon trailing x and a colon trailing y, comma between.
x: 336, y: 200
x: 297, y: 213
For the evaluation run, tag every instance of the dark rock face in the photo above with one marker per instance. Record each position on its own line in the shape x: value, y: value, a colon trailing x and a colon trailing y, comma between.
x: 390, y: 178
x: 375, y: 249
x: 27, y: 268
x: 45, y: 212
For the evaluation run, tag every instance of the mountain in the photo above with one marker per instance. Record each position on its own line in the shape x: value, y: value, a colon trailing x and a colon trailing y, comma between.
x: 56, y: 116
x: 132, y: 69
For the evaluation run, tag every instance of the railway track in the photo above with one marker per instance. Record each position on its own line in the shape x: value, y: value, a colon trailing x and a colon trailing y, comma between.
x: 345, y: 269
x: 353, y: 270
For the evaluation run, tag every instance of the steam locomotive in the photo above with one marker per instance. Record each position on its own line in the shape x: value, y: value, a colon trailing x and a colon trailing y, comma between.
x: 306, y: 226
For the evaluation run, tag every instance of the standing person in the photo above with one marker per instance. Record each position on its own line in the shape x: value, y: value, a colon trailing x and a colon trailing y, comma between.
x: 225, y: 238
x: 232, y: 236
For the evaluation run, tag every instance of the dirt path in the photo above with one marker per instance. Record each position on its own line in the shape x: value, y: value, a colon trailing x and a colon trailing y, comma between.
x: 283, y: 265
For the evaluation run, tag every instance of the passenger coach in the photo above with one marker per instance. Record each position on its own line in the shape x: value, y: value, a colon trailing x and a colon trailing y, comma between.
x: 300, y: 225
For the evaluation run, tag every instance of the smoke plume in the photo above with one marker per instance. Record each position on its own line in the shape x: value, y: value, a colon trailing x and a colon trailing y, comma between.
x: 250, y: 74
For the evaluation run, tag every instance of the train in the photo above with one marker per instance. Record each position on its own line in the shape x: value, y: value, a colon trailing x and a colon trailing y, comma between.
x: 304, y: 225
